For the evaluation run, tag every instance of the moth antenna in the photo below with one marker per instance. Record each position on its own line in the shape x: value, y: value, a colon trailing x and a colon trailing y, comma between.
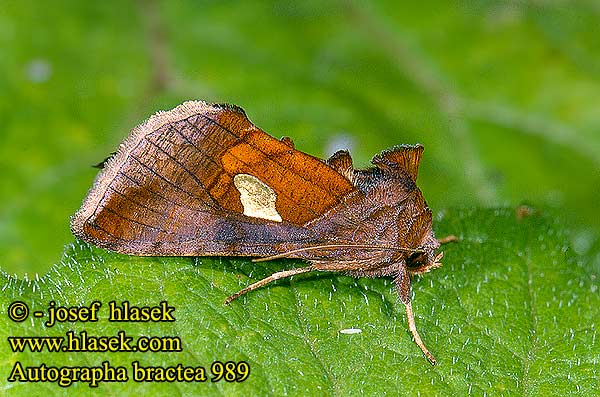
x: 332, y: 246
x: 449, y: 239
x: 415, y: 333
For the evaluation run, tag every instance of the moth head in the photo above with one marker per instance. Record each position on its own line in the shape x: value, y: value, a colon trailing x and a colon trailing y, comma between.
x: 425, y: 258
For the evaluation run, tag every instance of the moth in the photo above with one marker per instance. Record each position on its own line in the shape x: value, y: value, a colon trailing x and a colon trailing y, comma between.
x: 202, y: 180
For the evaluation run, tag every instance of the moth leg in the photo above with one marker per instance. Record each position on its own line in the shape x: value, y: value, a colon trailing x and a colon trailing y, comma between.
x: 403, y: 284
x: 424, y: 268
x: 413, y: 330
x: 448, y: 239
x: 267, y: 280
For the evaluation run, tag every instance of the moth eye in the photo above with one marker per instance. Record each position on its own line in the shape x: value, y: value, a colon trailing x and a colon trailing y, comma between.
x: 415, y: 259
x: 258, y: 199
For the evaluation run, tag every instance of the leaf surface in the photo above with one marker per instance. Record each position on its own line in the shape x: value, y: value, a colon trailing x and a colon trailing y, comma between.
x: 512, y: 311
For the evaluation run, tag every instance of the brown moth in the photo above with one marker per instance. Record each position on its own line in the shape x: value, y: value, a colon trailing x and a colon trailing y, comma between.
x: 202, y: 180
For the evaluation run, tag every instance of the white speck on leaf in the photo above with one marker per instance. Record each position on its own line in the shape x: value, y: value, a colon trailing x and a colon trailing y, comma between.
x: 350, y: 331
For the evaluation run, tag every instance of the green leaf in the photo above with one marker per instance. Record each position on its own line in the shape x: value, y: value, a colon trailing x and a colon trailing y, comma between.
x: 512, y: 311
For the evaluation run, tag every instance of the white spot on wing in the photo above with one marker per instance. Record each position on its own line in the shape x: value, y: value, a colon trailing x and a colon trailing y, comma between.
x: 257, y: 197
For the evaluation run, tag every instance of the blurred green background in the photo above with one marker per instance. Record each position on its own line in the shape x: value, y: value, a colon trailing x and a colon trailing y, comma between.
x: 505, y: 96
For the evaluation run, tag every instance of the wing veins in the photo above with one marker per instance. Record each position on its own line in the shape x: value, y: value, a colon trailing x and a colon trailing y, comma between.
x: 160, y: 229
x: 194, y: 177
x: 159, y: 195
x: 166, y: 180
